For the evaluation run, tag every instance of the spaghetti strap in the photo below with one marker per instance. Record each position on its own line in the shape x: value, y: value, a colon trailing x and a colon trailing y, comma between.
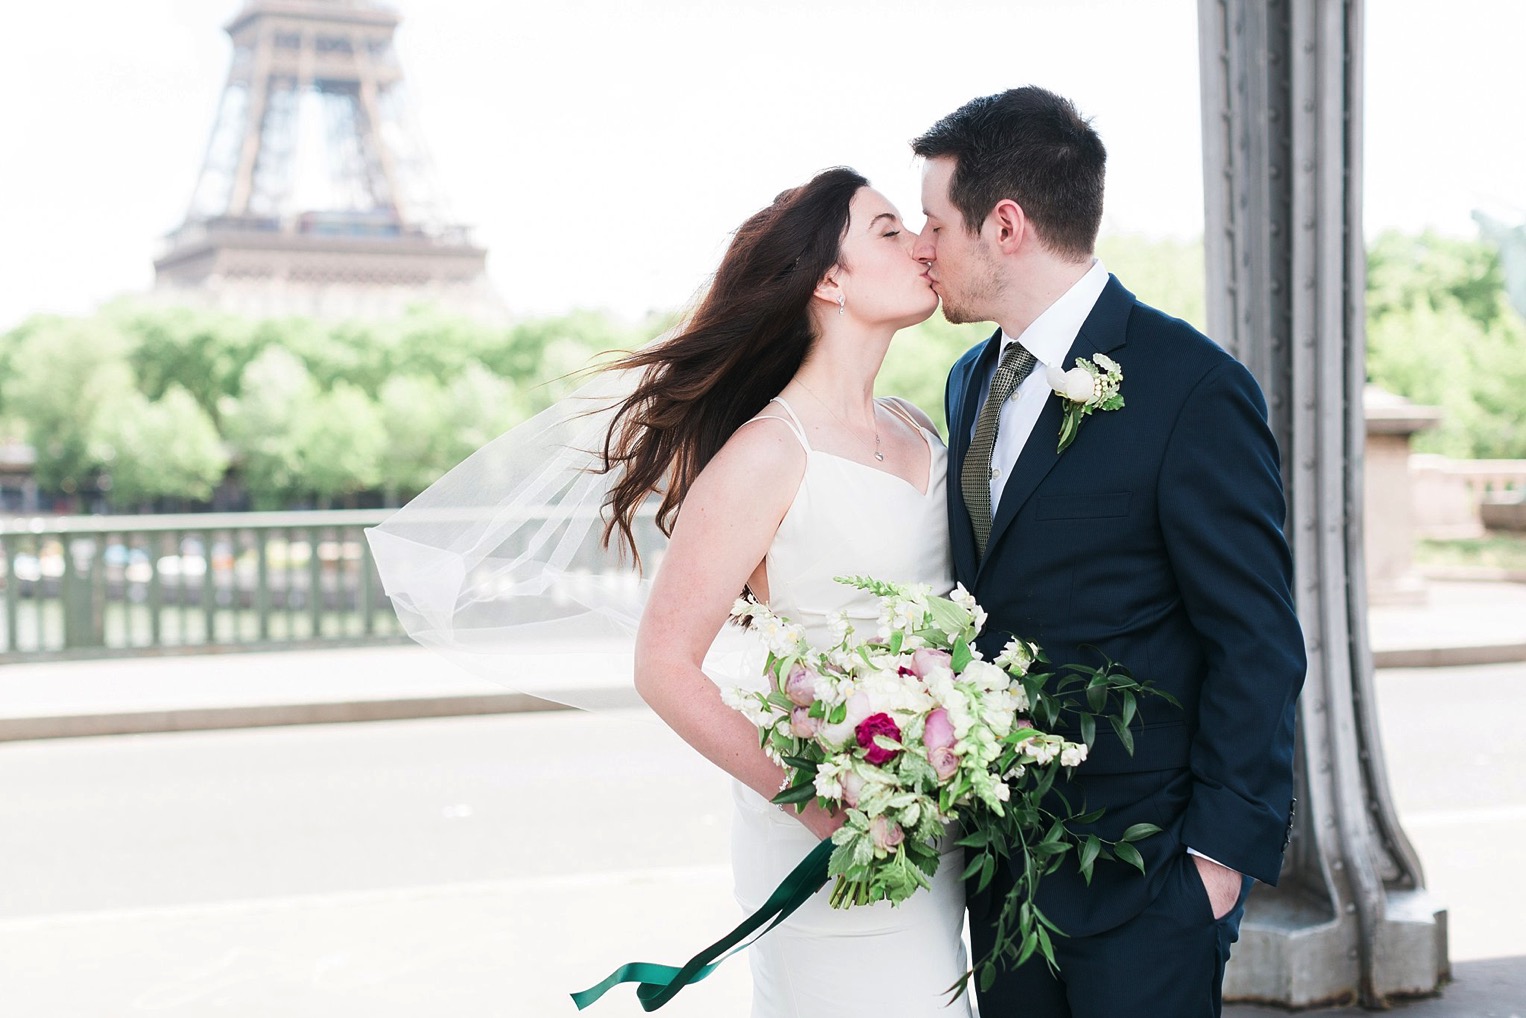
x: 791, y: 422
x: 894, y: 406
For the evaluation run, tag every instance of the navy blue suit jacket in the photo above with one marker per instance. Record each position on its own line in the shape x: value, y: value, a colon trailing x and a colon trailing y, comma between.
x: 1156, y: 536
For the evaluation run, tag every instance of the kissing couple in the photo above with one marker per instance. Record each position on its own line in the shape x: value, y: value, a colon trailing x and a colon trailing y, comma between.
x: 1109, y: 483
x: 1154, y: 535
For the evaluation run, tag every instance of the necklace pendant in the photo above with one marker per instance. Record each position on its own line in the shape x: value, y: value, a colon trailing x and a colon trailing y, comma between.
x: 879, y: 456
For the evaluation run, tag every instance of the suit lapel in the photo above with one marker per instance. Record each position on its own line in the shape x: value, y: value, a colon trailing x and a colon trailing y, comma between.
x: 966, y: 402
x: 1104, y: 331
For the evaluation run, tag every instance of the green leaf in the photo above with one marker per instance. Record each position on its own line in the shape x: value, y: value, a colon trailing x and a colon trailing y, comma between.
x: 1088, y: 729
x: 1124, y: 735
x: 1129, y: 854
x: 948, y: 616
x: 961, y: 656
x: 1089, y: 849
x: 1138, y: 832
x: 803, y: 792
x: 1096, y: 695
x: 1030, y: 943
x: 802, y: 763
x: 1130, y: 706
x: 897, y: 641
x: 1046, y: 946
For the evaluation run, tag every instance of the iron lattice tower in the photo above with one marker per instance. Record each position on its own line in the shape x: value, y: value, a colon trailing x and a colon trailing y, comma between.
x: 317, y: 196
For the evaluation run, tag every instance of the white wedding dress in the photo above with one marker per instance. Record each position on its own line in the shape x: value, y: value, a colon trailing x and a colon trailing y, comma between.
x: 849, y: 518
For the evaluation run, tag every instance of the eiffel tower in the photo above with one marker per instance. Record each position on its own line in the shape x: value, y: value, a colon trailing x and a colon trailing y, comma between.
x: 317, y: 196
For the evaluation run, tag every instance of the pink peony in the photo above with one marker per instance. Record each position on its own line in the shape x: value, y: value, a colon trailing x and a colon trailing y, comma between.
x: 945, y: 761
x: 924, y: 661
x: 852, y: 788
x: 802, y: 725
x: 800, y: 686
x: 878, y: 724
x: 885, y: 834
x: 938, y: 732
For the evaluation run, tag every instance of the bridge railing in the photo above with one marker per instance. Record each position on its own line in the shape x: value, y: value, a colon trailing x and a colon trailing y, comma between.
x: 111, y: 585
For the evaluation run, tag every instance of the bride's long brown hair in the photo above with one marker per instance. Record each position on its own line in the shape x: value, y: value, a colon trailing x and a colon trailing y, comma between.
x: 741, y: 346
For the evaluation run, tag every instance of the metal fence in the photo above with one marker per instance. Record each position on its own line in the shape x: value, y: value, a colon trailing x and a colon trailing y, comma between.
x: 99, y: 585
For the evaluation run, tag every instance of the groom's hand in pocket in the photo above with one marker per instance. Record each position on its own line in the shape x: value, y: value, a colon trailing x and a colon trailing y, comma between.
x: 1222, y: 884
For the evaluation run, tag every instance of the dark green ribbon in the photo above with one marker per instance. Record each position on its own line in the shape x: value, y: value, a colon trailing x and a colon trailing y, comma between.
x: 658, y: 984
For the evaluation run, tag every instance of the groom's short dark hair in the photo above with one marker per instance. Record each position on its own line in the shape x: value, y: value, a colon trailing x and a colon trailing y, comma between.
x: 1031, y: 146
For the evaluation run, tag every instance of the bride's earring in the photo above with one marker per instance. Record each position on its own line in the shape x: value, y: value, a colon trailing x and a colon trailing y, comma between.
x: 842, y: 305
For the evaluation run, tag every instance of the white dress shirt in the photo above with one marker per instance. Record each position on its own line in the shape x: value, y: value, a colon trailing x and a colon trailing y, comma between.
x: 1048, y: 339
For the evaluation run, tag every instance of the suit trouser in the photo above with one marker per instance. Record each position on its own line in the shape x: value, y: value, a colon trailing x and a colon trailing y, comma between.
x: 1166, y: 962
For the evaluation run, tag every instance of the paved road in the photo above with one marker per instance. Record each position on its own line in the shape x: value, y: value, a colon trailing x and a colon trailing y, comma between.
x: 485, y: 866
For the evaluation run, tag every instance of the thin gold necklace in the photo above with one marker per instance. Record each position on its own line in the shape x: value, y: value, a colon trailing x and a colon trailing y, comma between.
x: 846, y: 426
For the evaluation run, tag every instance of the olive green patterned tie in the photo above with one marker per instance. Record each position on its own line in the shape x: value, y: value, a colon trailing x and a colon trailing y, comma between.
x: 975, y: 479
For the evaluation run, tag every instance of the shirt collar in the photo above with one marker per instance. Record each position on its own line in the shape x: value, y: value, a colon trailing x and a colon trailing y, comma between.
x: 1050, y: 336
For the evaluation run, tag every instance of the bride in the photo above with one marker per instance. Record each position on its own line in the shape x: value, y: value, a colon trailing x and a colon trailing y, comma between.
x: 777, y: 471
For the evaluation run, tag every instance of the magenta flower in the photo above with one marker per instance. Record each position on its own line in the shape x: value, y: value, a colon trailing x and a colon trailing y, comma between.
x: 878, y: 724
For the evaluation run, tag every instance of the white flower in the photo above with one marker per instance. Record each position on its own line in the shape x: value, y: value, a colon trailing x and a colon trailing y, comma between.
x: 1016, y: 656
x: 1073, y: 754
x: 1041, y: 751
x: 829, y: 779
x: 749, y: 704
x: 1076, y: 385
x: 742, y: 607
x: 838, y: 626
x: 986, y: 676
x: 964, y: 599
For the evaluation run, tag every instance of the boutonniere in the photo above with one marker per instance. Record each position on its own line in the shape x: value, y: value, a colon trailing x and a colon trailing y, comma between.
x: 1090, y: 385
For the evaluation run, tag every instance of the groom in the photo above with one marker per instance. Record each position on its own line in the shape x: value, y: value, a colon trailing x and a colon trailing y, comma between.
x: 1156, y: 535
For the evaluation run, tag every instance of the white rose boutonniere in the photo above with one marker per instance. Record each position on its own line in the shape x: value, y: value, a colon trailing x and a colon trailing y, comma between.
x: 1090, y: 385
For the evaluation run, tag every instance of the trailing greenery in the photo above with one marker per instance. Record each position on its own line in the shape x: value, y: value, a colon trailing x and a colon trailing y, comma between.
x: 159, y: 407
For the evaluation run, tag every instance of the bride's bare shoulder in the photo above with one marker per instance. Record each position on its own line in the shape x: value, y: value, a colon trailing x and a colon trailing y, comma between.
x: 764, y: 450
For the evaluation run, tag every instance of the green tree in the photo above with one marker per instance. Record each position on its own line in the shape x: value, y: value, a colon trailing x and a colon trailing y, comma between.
x: 916, y: 366
x: 1166, y: 274
x: 1441, y: 332
x: 1405, y: 271
x: 202, y: 352
x: 340, y: 442
x: 63, y: 373
x: 166, y: 448
x: 261, y: 424
x: 430, y: 427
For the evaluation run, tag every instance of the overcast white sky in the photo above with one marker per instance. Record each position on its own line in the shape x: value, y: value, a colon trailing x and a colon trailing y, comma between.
x: 604, y: 148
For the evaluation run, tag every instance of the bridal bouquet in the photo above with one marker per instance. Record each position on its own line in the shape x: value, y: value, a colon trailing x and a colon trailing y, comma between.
x: 909, y: 730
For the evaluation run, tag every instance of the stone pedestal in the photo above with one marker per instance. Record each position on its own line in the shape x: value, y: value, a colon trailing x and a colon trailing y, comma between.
x: 1389, y: 526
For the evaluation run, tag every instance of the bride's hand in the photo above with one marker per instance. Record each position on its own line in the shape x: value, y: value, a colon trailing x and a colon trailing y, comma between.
x: 818, y: 821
